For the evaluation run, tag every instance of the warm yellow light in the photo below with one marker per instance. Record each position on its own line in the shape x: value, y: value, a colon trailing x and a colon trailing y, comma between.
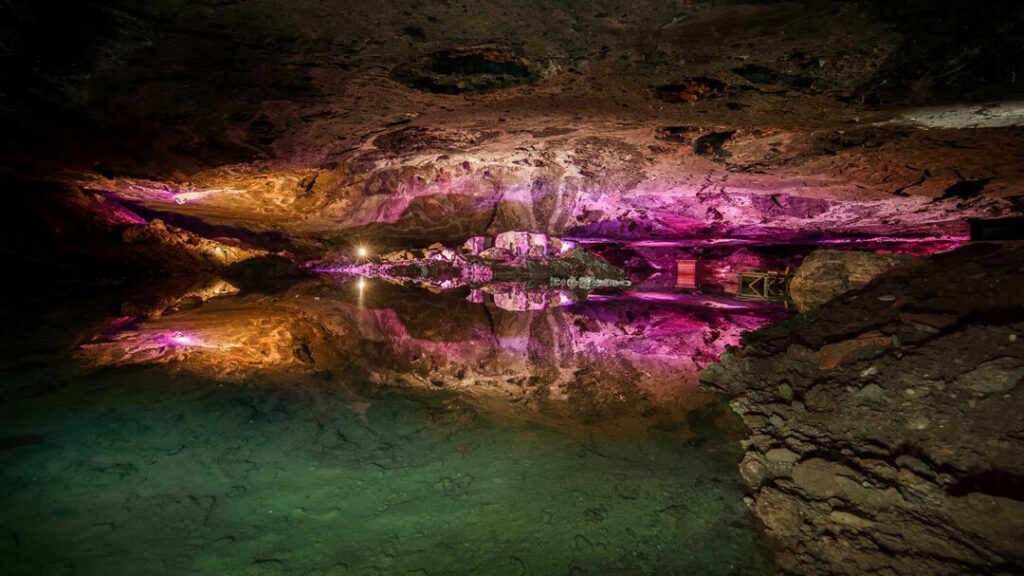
x: 362, y: 251
x: 362, y: 284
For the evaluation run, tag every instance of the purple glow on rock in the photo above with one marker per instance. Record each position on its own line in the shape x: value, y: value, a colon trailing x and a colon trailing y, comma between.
x: 444, y: 268
x: 160, y: 192
x: 516, y: 297
x: 475, y: 245
x: 443, y: 255
x: 476, y: 273
x: 142, y: 345
x: 190, y: 196
x: 181, y: 339
x: 911, y: 245
x: 121, y: 322
x: 502, y: 329
x: 516, y: 243
x: 120, y: 214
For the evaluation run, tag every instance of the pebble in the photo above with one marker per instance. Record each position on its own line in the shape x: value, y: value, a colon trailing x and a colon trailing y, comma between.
x: 887, y: 298
x: 918, y: 423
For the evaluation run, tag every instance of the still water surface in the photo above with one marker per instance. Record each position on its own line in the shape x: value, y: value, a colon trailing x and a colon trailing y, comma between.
x: 339, y: 426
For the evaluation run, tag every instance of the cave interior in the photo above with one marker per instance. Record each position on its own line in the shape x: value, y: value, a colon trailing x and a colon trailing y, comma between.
x: 538, y: 287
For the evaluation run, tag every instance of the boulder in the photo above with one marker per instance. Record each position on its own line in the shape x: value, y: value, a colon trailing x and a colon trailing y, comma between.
x: 826, y: 274
x: 885, y: 428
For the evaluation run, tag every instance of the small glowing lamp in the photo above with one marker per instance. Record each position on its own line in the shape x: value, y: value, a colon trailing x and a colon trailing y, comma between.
x: 362, y: 251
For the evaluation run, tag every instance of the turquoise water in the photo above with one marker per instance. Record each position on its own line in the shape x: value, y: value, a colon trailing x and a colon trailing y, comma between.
x: 158, y: 468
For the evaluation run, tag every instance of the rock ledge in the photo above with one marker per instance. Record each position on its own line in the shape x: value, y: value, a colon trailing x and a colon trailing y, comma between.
x: 887, y: 427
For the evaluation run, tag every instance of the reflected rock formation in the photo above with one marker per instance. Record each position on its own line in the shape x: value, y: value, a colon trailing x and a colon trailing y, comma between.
x: 595, y: 357
x: 514, y: 257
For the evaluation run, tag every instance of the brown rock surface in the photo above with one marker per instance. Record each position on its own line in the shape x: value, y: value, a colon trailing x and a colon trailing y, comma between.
x: 899, y: 447
x: 825, y: 274
x: 767, y: 120
x: 176, y: 248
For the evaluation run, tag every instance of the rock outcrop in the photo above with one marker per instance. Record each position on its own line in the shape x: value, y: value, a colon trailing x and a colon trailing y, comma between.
x: 512, y: 257
x: 825, y: 274
x: 160, y: 244
x: 887, y: 428
x: 633, y: 120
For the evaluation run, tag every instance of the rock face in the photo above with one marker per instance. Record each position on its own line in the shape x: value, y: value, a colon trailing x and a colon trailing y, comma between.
x: 630, y: 120
x: 825, y: 274
x: 518, y: 267
x: 168, y: 245
x: 887, y: 428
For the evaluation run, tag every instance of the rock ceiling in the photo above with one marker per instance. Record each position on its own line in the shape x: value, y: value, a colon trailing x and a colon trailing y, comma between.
x: 417, y: 122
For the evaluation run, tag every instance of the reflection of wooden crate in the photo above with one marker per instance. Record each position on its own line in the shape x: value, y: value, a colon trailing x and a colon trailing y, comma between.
x: 686, y: 274
x: 764, y: 286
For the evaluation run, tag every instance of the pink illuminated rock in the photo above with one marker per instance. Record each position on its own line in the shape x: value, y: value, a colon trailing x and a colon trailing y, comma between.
x: 515, y: 243
x: 475, y: 245
x: 181, y: 339
x: 516, y: 298
x: 561, y: 247
x: 468, y: 342
x: 476, y: 273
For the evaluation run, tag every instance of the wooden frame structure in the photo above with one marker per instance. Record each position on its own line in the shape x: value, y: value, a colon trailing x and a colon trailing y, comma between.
x: 763, y: 285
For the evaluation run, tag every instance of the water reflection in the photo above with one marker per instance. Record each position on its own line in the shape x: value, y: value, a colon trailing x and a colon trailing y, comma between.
x: 590, y: 355
x: 351, y: 425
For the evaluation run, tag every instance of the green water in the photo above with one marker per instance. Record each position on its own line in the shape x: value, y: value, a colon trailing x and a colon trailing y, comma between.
x: 141, y: 474
x: 159, y: 469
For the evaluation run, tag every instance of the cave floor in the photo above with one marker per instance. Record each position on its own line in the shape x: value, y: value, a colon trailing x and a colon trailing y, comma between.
x: 570, y: 440
x: 146, y: 473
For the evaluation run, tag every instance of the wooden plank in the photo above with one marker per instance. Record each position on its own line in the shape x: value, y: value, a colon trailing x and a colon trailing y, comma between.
x: 686, y: 274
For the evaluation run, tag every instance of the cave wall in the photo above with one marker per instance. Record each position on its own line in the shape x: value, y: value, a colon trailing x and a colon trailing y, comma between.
x: 437, y: 121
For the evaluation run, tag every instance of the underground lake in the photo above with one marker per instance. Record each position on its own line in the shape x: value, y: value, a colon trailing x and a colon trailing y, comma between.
x: 345, y: 425
x: 532, y: 287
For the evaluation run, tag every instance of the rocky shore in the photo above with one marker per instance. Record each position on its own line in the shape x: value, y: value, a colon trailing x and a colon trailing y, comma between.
x: 887, y: 427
